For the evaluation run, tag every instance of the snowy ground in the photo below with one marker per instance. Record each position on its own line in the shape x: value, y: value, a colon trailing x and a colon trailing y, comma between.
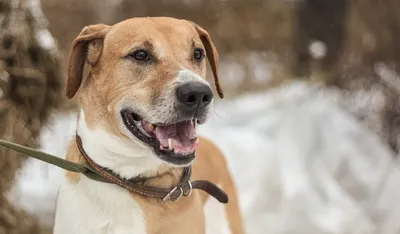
x: 306, y: 166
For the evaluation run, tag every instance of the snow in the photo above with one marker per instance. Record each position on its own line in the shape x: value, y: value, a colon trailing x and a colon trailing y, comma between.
x: 317, y: 49
x: 301, y: 163
x: 43, y: 35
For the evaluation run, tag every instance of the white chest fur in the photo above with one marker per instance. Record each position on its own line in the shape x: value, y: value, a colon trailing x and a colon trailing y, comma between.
x: 90, y: 207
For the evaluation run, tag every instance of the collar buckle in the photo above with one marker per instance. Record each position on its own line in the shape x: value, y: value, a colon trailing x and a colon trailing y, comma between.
x: 168, y: 196
x: 183, y: 193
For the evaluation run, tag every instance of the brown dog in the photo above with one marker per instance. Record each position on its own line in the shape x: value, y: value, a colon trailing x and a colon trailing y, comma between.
x: 141, y: 99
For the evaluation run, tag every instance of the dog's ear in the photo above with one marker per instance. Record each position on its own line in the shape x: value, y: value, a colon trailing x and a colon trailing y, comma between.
x: 212, y: 55
x: 87, y: 47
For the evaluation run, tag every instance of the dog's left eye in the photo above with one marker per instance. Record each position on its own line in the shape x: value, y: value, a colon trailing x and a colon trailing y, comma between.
x: 141, y: 55
x: 198, y: 54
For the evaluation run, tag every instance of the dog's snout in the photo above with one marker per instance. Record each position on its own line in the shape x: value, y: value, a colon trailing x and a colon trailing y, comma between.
x: 194, y: 95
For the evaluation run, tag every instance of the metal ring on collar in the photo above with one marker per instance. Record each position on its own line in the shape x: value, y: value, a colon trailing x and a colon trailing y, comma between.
x: 180, y: 195
x: 168, y: 196
x: 190, y: 189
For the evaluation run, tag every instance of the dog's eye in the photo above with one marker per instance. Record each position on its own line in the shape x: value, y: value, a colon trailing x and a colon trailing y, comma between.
x: 141, y: 55
x: 198, y: 54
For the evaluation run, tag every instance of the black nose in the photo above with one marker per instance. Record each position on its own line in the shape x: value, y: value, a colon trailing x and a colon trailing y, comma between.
x: 194, y: 95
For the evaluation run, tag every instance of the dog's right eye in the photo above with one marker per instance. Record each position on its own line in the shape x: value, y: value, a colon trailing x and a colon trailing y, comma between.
x: 141, y: 55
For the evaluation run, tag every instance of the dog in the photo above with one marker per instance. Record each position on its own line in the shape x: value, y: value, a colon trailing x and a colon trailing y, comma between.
x: 142, y: 93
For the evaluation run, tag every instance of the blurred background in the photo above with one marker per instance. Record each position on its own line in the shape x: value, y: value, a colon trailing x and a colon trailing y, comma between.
x: 310, y: 124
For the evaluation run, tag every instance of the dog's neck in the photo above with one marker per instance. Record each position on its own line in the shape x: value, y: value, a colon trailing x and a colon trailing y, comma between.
x: 127, y: 158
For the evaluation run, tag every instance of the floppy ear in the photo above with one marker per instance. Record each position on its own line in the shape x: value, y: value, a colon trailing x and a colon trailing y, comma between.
x: 212, y: 55
x: 81, y: 52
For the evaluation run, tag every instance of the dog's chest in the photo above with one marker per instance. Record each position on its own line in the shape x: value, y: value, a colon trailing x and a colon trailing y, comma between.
x: 181, y: 217
x: 97, y: 208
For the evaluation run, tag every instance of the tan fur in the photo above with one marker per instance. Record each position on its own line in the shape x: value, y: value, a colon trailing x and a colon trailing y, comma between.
x: 114, y: 77
x: 210, y: 164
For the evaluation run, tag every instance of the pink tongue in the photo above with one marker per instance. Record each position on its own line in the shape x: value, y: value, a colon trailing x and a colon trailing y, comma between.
x: 183, y: 135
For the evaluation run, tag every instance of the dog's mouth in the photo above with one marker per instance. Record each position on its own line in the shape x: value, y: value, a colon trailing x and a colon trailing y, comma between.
x: 174, y: 143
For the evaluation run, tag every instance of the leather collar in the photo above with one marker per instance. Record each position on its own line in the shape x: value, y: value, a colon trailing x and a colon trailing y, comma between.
x: 184, y: 188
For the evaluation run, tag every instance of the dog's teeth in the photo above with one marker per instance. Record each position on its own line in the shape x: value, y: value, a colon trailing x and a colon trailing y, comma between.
x: 170, y: 144
x: 150, y: 126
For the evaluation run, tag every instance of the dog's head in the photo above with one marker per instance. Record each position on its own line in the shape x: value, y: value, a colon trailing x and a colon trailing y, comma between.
x: 146, y: 82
